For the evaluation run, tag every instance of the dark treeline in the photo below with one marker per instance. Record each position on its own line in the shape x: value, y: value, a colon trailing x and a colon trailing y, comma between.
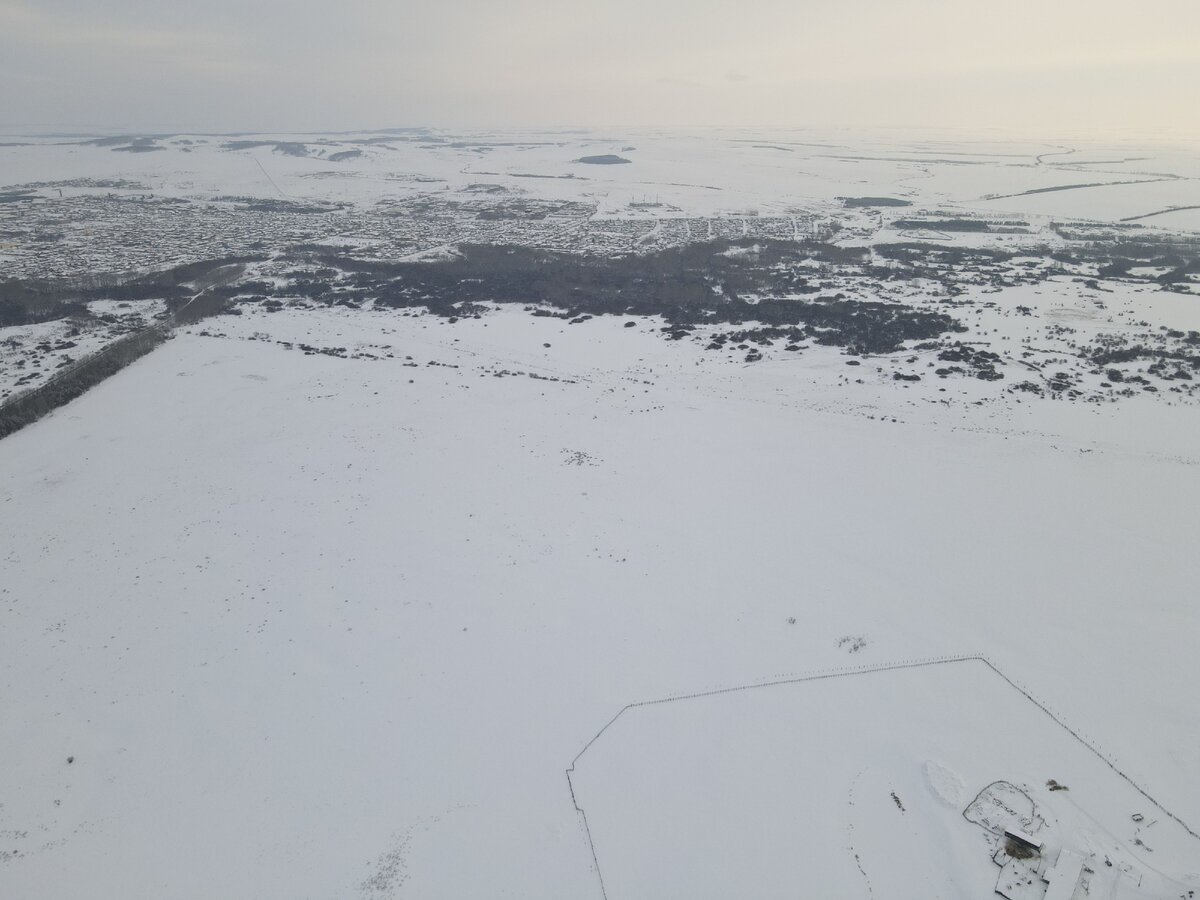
x: 1115, y: 258
x: 67, y: 385
x: 202, y: 306
x: 719, y: 282
x: 27, y: 302
x: 919, y: 255
x: 866, y: 202
x: 178, y: 286
x: 861, y: 326
x: 970, y: 225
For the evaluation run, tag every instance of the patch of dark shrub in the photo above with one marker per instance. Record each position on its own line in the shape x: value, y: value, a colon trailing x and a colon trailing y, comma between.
x: 857, y: 202
x: 964, y: 225
x: 693, y: 285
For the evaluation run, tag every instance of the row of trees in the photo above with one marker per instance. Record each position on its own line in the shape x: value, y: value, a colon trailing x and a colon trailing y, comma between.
x: 25, y: 302
x: 64, y: 387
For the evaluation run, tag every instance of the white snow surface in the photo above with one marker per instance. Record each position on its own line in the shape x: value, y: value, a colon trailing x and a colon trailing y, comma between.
x: 280, y: 625
x: 713, y: 172
x: 326, y: 628
x: 705, y: 796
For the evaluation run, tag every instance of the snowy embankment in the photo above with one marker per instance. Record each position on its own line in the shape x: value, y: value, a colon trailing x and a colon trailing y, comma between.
x: 284, y: 625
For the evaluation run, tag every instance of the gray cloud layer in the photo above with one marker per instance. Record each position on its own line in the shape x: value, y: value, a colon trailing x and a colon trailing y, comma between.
x: 1099, y: 67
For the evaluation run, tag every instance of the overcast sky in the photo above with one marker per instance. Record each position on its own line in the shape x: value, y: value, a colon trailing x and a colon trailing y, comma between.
x: 1024, y: 67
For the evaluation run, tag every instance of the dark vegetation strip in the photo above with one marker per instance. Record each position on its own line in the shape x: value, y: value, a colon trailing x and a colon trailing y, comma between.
x: 26, y: 408
x: 1073, y: 187
x: 690, y: 286
x: 971, y: 225
x: 860, y: 202
x: 63, y: 387
x: 31, y: 302
x: 1159, y: 212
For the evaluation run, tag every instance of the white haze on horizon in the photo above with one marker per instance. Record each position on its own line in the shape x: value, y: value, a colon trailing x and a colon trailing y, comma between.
x: 1089, y: 68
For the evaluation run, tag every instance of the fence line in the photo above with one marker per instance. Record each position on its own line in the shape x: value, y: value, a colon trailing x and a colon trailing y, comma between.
x: 838, y: 672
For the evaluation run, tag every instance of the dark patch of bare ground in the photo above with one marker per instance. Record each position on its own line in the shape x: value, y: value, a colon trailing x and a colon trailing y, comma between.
x: 603, y: 159
x: 1017, y: 850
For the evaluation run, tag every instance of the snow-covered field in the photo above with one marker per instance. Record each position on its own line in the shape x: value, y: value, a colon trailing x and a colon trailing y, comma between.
x: 319, y: 627
x: 710, y: 795
x: 276, y: 623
